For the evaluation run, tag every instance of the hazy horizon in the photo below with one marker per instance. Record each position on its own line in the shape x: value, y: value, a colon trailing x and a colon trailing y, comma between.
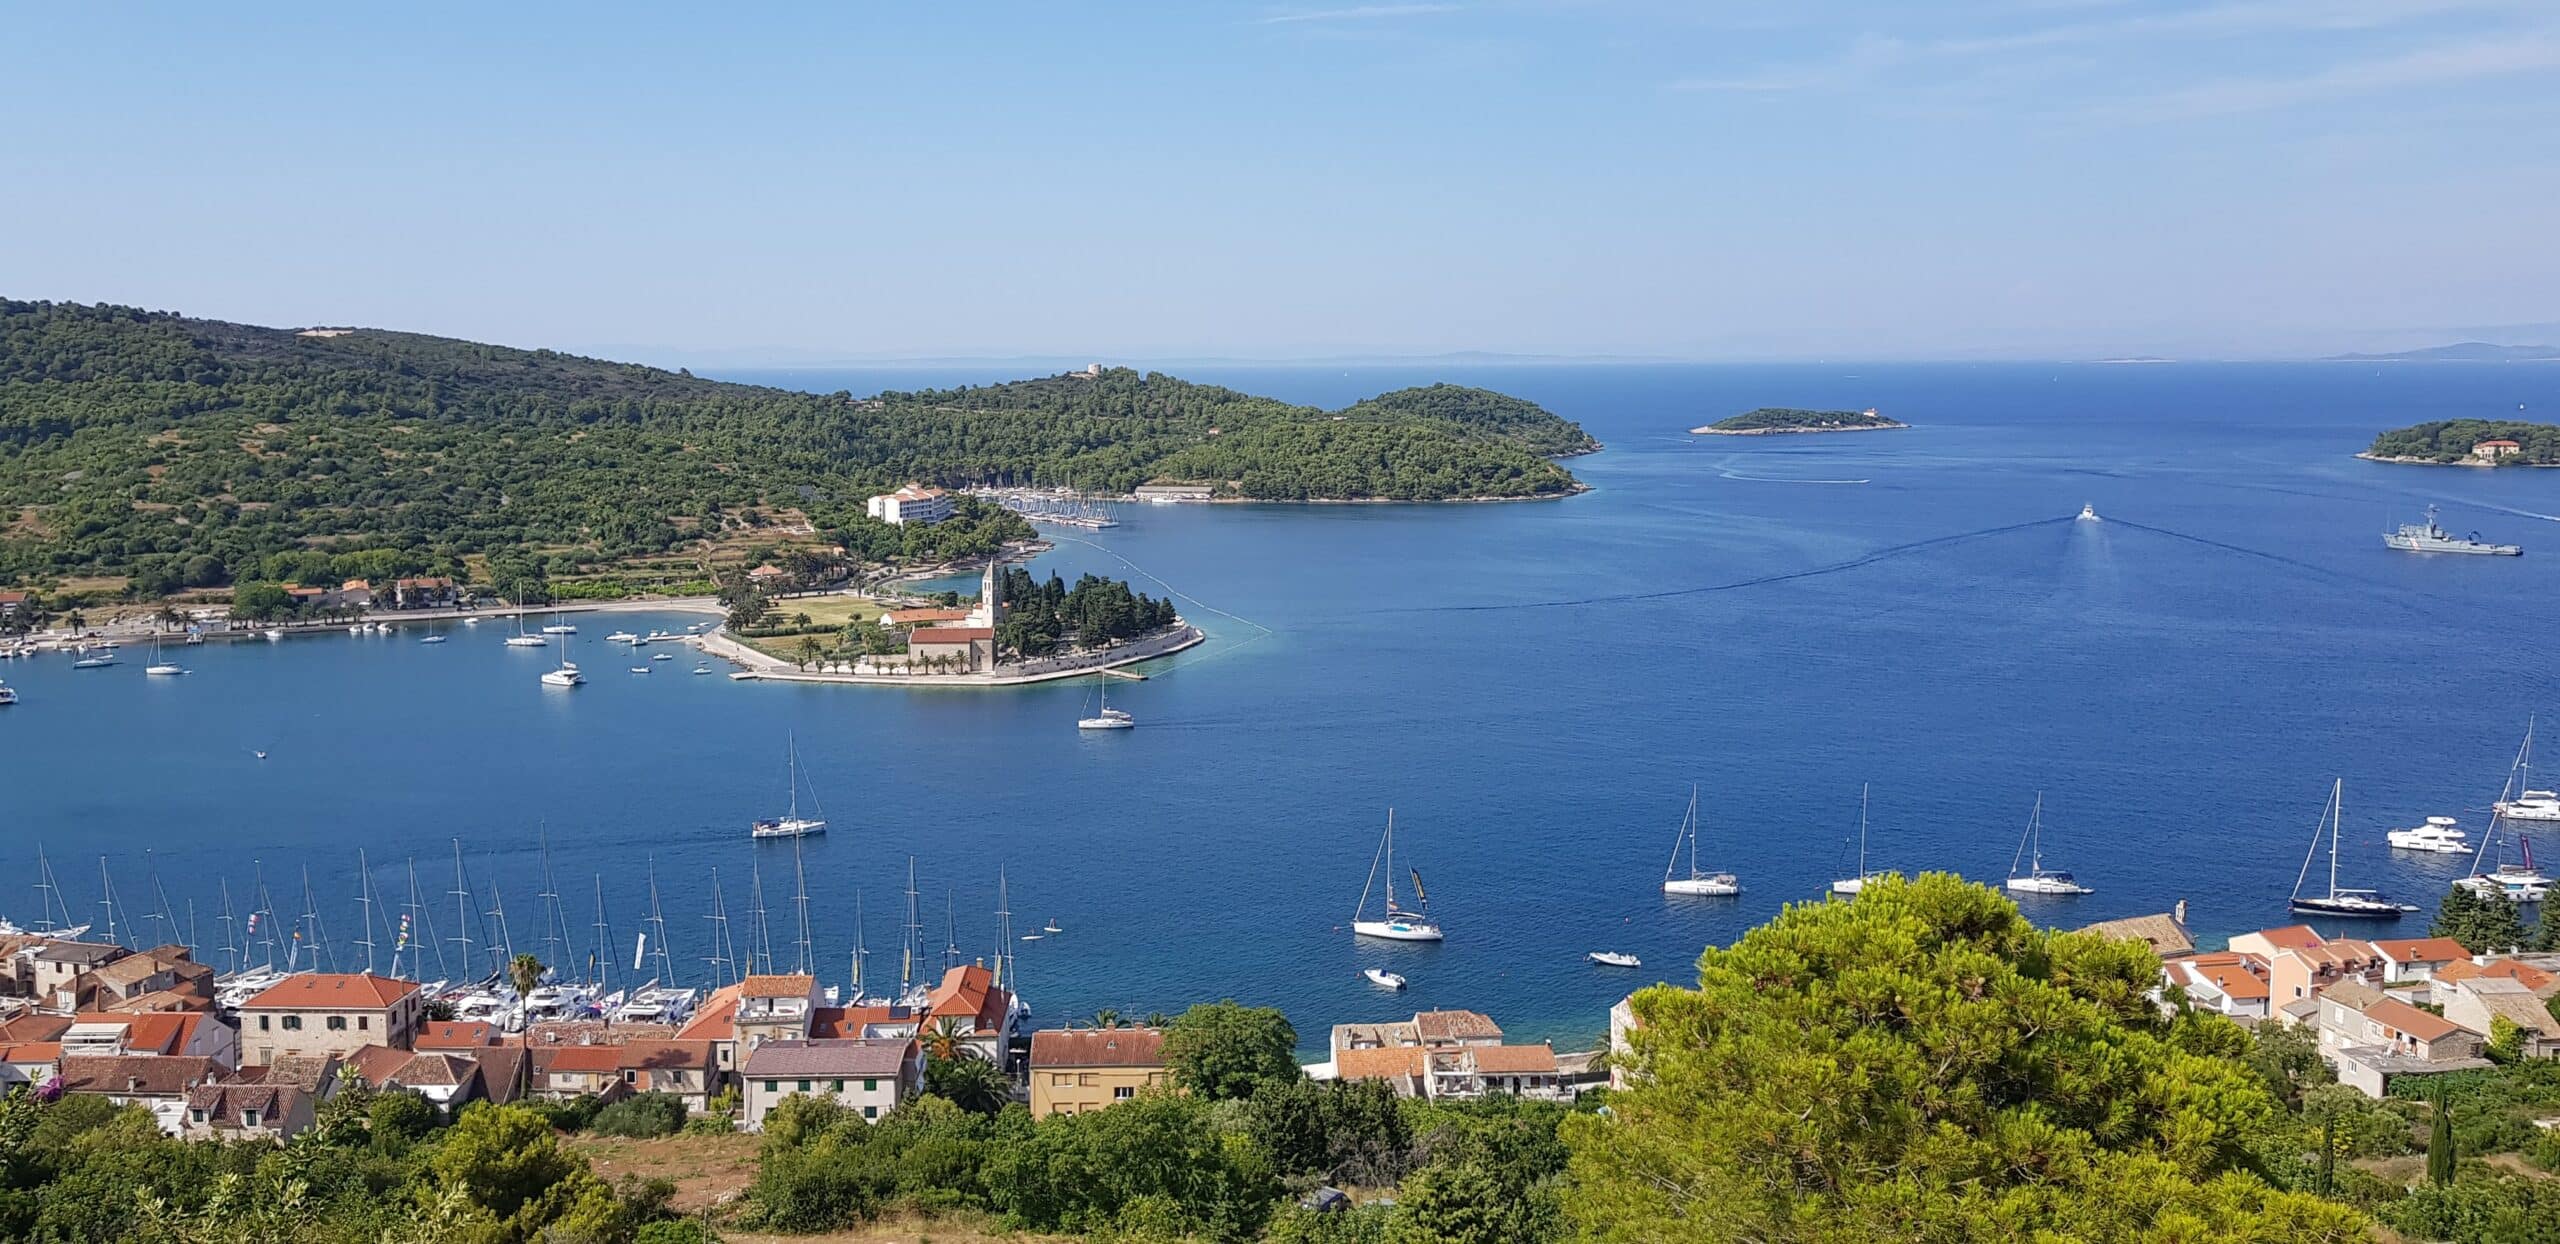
x: 2000, y: 179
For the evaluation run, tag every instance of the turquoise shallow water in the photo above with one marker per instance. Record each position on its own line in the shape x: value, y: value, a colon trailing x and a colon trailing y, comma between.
x: 1533, y: 688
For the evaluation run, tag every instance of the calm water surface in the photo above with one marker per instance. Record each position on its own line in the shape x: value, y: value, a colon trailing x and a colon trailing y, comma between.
x: 1533, y: 688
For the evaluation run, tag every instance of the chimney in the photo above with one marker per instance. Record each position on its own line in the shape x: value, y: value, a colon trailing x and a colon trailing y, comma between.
x: 2180, y: 914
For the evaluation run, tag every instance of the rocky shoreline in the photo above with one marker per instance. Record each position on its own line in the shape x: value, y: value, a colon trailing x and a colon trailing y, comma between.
x: 1713, y: 430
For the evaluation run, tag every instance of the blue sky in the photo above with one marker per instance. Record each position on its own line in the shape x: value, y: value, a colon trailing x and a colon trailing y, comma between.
x: 1713, y: 180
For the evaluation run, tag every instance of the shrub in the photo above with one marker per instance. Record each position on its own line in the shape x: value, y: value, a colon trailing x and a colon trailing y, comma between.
x: 641, y: 1116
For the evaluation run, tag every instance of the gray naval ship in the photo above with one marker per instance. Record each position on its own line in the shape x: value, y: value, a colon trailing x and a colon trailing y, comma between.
x: 2426, y: 537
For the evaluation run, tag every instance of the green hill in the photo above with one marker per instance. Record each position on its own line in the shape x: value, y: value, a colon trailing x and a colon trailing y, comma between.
x: 2450, y: 440
x: 1786, y: 419
x: 135, y: 440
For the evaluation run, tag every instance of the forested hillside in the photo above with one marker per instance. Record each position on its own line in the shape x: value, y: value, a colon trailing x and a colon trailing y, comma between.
x: 143, y: 440
x: 2450, y: 440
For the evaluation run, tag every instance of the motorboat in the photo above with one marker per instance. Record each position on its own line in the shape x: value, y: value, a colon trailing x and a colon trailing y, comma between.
x: 2340, y: 901
x: 1031, y: 937
x: 433, y: 639
x: 1383, y: 978
x: 664, y: 656
x: 2532, y: 805
x: 639, y: 669
x: 272, y: 634
x: 1109, y: 718
x: 702, y: 669
x: 2441, y: 834
x: 8, y: 694
x: 2088, y: 513
x: 790, y: 824
x: 559, y: 628
x: 622, y: 637
x: 2038, y: 879
x: 1615, y: 959
x: 1394, y: 924
x: 91, y: 663
x: 1052, y: 926
x: 1710, y: 884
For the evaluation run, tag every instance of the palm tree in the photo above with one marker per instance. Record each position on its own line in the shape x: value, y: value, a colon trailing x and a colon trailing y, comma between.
x: 969, y: 1082
x: 1106, y: 1018
x: 942, y: 1042
x: 525, y: 973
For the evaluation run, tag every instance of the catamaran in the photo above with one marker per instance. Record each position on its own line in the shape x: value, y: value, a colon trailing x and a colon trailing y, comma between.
x: 791, y: 824
x: 1109, y: 718
x: 2039, y: 879
x: 565, y: 676
x: 1857, y: 881
x: 2518, y: 801
x: 1713, y: 884
x: 2361, y: 904
x: 1395, y: 924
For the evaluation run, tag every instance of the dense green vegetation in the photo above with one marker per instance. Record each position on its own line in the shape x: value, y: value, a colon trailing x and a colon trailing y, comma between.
x: 1917, y: 1064
x: 188, y: 451
x: 2450, y: 440
x: 1042, y: 614
x: 1787, y: 419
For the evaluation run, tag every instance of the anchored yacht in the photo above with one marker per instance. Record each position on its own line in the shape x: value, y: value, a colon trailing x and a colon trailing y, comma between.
x: 2038, y: 879
x: 1710, y: 884
x: 1395, y: 924
x: 2441, y: 834
x: 2362, y: 904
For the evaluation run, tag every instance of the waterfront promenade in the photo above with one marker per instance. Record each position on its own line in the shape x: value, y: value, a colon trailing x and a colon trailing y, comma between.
x: 761, y: 667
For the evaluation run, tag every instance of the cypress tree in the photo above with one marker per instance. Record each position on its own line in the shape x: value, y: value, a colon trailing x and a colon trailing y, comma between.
x: 2440, y: 1144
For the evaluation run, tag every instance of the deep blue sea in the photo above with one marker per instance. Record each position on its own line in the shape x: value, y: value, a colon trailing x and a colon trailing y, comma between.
x: 1533, y: 688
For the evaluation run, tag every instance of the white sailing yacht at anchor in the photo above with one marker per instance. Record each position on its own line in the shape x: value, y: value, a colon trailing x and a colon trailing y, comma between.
x: 1109, y: 718
x: 2361, y: 904
x: 791, y: 824
x: 2039, y: 879
x: 1395, y: 924
x: 1711, y: 884
x: 1857, y: 882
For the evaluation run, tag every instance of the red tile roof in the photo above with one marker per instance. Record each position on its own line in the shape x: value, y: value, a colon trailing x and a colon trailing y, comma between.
x: 713, y: 1020
x: 455, y: 1034
x: 151, y: 1075
x: 331, y: 991
x: 1390, y: 1063
x: 665, y: 1056
x: 1456, y: 1026
x: 2421, y: 949
x: 376, y: 1064
x: 30, y: 1052
x: 2423, y: 1025
x: 2292, y: 937
x: 949, y: 634
x: 2229, y: 973
x: 849, y: 1021
x: 783, y: 986
x: 909, y: 617
x: 1515, y: 1060
x: 2517, y: 970
x: 577, y: 1059
x: 969, y: 992
x: 781, y: 1059
x: 1097, y: 1047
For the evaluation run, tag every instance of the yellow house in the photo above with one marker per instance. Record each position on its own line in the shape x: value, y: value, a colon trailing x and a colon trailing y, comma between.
x: 1074, y: 1070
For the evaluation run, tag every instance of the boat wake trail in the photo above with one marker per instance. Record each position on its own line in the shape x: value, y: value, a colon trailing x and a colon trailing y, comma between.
x: 1782, y: 479
x: 1867, y: 559
x: 2278, y: 558
x: 1261, y: 632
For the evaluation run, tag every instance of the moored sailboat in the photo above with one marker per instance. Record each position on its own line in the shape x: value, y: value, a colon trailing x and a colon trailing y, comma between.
x: 2038, y: 879
x: 1857, y: 882
x: 1711, y: 884
x: 1395, y: 924
x: 791, y: 824
x: 2358, y: 904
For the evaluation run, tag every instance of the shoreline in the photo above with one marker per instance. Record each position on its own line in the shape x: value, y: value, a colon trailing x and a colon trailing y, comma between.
x: 1713, y: 430
x: 2473, y: 463
x: 755, y: 666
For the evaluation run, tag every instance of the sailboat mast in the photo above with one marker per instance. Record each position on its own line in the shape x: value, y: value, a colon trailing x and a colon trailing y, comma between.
x: 800, y: 898
x: 603, y: 957
x: 907, y: 952
x: 107, y: 899
x: 1004, y: 932
x: 168, y: 919
x: 364, y: 901
x: 859, y: 953
x: 2337, y: 815
x: 759, y: 951
x: 1862, y: 831
x: 426, y: 930
x: 462, y: 919
x: 1693, y: 831
x: 950, y: 933
x: 230, y: 925
x: 1391, y: 860
x: 658, y: 924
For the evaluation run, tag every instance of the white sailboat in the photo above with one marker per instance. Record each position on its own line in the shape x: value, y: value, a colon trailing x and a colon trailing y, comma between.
x: 2038, y: 879
x: 522, y: 640
x: 791, y: 824
x: 566, y: 675
x: 2519, y: 802
x: 1109, y: 718
x: 1711, y: 884
x: 1856, y: 882
x: 161, y: 667
x: 2360, y: 904
x: 1395, y: 924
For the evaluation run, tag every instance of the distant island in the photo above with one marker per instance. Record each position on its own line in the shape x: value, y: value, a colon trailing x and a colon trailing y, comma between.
x: 2459, y: 352
x: 1778, y: 420
x: 2469, y: 442
x: 145, y: 455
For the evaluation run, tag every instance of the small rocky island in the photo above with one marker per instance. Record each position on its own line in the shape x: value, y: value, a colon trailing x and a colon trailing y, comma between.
x: 2469, y: 442
x: 1777, y: 420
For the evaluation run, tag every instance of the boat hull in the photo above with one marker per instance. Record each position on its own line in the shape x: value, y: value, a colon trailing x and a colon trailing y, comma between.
x: 1707, y: 887
x: 1384, y: 980
x: 2032, y: 885
x: 2351, y: 909
x: 1104, y: 723
x: 1397, y: 930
